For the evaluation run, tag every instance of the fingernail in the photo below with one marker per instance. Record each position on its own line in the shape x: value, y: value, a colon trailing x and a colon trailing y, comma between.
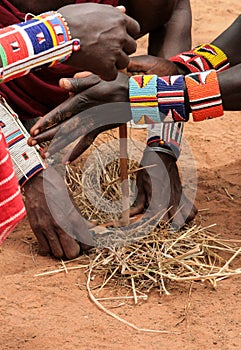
x: 46, y: 154
x: 66, y: 83
x: 36, y: 132
x: 121, y: 8
x: 33, y: 142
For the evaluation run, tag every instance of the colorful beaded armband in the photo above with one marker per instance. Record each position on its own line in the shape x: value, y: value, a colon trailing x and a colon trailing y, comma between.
x: 26, y: 160
x: 201, y: 58
x: 155, y: 100
x: 204, y: 95
x: 191, y: 62
x: 41, y: 41
x: 143, y: 99
x: 215, y: 56
x: 170, y: 93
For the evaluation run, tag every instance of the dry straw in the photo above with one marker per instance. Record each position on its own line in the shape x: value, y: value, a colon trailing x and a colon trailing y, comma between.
x: 148, y: 256
x: 152, y: 259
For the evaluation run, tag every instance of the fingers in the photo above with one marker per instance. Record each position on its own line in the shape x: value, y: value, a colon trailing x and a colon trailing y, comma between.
x: 44, y: 136
x: 64, y: 111
x: 70, y: 247
x: 121, y: 8
x: 130, y: 46
x: 122, y: 61
x: 79, y: 83
x: 111, y: 73
x: 132, y: 27
x: 135, y: 64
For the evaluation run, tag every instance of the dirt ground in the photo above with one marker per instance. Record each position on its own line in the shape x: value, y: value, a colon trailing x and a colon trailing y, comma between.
x: 52, y: 312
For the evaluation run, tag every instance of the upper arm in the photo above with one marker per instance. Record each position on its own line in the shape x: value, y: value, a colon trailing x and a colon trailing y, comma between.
x: 176, y: 35
x: 151, y: 14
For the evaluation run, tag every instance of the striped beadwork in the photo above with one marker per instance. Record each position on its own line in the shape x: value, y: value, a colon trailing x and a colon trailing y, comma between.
x: 214, y: 55
x: 191, y: 62
x: 26, y: 159
x: 12, y: 208
x: 204, y: 95
x: 143, y: 99
x: 41, y: 41
x: 170, y: 93
x: 167, y: 135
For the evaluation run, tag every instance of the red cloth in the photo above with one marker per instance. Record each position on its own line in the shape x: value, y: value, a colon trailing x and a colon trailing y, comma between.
x: 105, y: 2
x: 12, y: 208
x: 38, y: 92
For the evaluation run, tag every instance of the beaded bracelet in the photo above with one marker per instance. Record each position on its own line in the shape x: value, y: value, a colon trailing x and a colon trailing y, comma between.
x: 214, y: 55
x: 191, y: 62
x: 155, y: 100
x: 201, y: 58
x: 42, y: 41
x: 26, y: 160
x: 204, y: 95
x: 166, y: 136
x: 143, y: 99
x: 170, y: 93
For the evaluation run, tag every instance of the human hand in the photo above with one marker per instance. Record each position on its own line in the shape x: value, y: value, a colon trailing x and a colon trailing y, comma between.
x: 160, y: 190
x: 106, y: 36
x: 76, y: 117
x: 56, y: 223
x: 146, y: 64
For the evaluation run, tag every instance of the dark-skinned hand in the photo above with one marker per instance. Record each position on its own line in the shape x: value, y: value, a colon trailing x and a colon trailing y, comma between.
x: 58, y: 226
x: 79, y: 117
x: 146, y: 64
x: 160, y: 190
x: 106, y: 36
x: 90, y: 91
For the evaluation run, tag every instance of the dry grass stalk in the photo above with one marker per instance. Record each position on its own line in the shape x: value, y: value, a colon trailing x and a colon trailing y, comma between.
x: 154, y: 256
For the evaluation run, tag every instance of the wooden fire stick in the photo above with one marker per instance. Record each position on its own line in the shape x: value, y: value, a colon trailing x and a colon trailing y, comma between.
x: 125, y: 218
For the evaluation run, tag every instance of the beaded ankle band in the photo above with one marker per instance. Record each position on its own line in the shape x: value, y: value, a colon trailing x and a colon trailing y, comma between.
x: 42, y: 41
x: 204, y: 95
x: 26, y: 160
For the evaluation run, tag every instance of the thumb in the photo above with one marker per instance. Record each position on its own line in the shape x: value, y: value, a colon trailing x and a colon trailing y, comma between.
x: 79, y: 83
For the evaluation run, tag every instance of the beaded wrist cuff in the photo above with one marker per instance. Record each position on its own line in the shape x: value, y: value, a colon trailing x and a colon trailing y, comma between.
x: 143, y: 99
x: 167, y: 136
x: 41, y: 41
x: 201, y: 58
x: 215, y: 56
x: 191, y: 62
x: 155, y: 100
x: 204, y: 95
x: 26, y: 160
x: 170, y: 93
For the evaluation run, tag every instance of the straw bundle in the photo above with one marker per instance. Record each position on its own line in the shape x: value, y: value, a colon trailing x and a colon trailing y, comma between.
x: 152, y: 256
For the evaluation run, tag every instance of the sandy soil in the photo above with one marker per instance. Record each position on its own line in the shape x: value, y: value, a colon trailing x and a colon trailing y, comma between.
x: 53, y: 312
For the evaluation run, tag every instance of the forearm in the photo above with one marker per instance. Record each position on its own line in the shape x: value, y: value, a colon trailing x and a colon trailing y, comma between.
x: 175, y: 36
x: 230, y: 86
x: 229, y: 42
